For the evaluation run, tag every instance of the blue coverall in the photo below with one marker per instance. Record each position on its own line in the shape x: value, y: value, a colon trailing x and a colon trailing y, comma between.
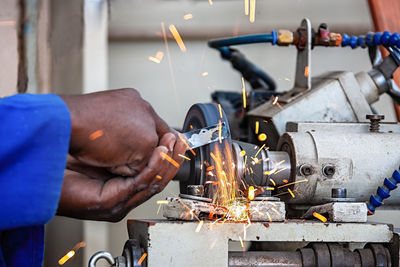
x: 34, y: 138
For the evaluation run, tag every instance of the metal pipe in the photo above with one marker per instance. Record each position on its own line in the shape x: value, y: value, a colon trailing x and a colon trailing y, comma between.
x: 265, y: 259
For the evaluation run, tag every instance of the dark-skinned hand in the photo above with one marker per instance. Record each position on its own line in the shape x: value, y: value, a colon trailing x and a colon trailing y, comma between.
x: 115, y: 161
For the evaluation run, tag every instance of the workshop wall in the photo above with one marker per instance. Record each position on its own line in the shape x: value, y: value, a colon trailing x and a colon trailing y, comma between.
x: 172, y: 86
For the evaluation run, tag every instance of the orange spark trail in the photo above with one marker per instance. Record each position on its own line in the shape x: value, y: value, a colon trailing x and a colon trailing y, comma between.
x: 306, y: 71
x: 142, y: 258
x: 188, y: 16
x: 244, y: 93
x: 199, y: 226
x: 96, y: 135
x: 220, y: 131
x: 158, y: 177
x: 246, y: 7
x: 305, y: 180
x: 259, y: 150
x: 183, y: 156
x: 291, y: 193
x: 171, y: 160
x: 66, y: 257
x: 177, y: 37
x: 251, y: 192
x: 257, y: 127
x: 155, y: 60
x: 187, y: 145
x: 252, y: 11
x: 171, y: 70
x: 319, y: 217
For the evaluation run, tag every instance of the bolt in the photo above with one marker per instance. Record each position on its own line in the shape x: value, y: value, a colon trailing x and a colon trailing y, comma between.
x: 306, y: 169
x: 328, y: 170
x: 196, y: 190
x: 339, y: 193
x: 374, y: 122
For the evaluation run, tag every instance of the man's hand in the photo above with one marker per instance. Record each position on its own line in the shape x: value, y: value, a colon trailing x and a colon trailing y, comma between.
x: 116, y: 145
x: 115, y: 129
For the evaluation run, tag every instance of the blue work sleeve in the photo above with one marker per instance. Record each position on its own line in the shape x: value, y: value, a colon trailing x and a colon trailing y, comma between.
x: 34, y: 139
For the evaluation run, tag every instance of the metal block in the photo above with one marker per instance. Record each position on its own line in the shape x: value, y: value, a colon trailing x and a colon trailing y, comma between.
x: 341, y: 211
x: 263, y: 211
x: 178, y: 243
x: 190, y: 210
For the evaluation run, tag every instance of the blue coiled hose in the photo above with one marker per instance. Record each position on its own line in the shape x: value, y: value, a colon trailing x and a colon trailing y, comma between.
x: 383, y: 192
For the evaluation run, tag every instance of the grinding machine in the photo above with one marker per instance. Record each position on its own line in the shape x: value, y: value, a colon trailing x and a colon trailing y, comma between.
x: 318, y: 157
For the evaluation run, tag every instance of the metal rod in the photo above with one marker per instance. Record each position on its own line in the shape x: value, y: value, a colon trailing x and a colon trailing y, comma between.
x: 265, y: 259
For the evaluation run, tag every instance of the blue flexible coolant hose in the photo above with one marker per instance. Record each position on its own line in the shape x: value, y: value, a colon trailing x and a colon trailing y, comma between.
x: 383, y: 192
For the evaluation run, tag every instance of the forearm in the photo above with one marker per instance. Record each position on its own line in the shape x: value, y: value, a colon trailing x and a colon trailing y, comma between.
x: 33, y: 149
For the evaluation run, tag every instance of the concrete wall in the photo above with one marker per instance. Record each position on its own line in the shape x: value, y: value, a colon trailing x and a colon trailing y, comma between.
x: 9, y: 58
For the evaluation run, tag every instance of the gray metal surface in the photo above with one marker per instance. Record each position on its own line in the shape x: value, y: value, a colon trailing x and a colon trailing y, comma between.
x: 177, y: 243
x: 340, y: 211
x: 265, y: 259
x: 361, y: 159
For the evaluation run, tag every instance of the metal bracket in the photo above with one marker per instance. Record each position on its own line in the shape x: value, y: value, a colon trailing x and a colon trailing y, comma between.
x: 303, y: 64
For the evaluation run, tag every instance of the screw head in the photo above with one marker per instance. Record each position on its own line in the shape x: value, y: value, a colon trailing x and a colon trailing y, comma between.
x: 375, y: 117
x: 328, y: 170
x: 306, y: 169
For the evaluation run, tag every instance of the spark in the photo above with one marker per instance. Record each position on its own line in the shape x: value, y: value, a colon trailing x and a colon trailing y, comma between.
x: 251, y: 192
x: 275, y: 102
x: 199, y: 226
x: 142, y: 258
x: 162, y: 202
x: 160, y: 55
x: 171, y: 70
x: 213, y: 244
x: 242, y: 153
x: 269, y: 188
x: 285, y: 181
x: 244, y: 93
x: 66, y: 257
x: 273, y: 182
x: 220, y: 110
x: 262, y: 137
x: 291, y: 193
x: 95, y: 135
x: 277, y: 212
x: 171, y: 160
x: 259, y: 150
x: 204, y: 74
x: 241, y: 242
x: 187, y: 145
x: 252, y: 11
x: 191, y: 127
x: 246, y: 7
x: 210, y: 2
x: 7, y: 23
x: 306, y: 71
x: 301, y: 181
x: 257, y: 127
x: 188, y: 16
x: 159, y: 177
x: 319, y: 217
x: 177, y: 37
x: 183, y: 156
x: 220, y: 131
x: 210, y: 168
x: 155, y: 60
x: 269, y: 217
